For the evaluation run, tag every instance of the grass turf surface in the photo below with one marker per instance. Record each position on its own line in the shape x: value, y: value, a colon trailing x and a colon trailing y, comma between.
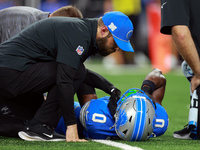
x: 176, y: 103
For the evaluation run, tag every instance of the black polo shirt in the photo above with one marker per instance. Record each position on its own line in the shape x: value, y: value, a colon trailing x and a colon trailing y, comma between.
x: 181, y: 12
x: 61, y: 39
x: 68, y: 41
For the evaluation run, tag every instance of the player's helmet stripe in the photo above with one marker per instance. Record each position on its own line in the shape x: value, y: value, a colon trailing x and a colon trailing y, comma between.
x: 140, y: 119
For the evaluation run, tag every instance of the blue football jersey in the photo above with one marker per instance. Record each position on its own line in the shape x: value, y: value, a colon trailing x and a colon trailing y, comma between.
x: 97, y: 120
x: 99, y: 124
x: 161, y: 121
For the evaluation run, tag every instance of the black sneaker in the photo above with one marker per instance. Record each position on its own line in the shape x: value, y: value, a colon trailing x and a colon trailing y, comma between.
x: 185, y: 133
x: 40, y: 132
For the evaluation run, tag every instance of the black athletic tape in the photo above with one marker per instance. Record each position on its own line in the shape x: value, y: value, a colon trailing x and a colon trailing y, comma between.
x: 149, y: 89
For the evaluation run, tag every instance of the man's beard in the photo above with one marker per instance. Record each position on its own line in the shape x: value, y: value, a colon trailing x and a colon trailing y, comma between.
x: 102, y: 48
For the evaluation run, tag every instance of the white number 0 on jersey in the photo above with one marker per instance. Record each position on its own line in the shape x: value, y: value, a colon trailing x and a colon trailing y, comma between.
x: 100, y: 118
x: 160, y: 123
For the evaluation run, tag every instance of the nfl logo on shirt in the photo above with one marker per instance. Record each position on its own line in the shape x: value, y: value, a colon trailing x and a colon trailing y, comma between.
x: 79, y: 50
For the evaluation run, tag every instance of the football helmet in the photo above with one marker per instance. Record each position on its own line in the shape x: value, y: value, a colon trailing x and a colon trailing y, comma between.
x: 135, y: 115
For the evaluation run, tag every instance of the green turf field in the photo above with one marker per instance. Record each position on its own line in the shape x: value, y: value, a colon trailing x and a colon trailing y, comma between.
x: 176, y: 103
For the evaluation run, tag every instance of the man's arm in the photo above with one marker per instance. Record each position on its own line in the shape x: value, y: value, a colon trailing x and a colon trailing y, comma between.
x: 95, y: 80
x: 65, y: 95
x: 187, y: 49
x: 154, y: 85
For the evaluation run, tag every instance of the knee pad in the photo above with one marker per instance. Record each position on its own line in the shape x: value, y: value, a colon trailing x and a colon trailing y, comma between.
x: 187, y: 71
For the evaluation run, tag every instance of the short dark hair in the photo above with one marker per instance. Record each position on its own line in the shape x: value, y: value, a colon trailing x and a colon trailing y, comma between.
x: 100, y: 23
x: 67, y: 11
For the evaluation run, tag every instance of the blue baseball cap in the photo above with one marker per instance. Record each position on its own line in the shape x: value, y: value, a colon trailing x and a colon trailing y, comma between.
x: 121, y: 29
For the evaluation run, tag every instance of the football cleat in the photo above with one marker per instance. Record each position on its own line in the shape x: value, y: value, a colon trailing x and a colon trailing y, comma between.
x: 185, y: 133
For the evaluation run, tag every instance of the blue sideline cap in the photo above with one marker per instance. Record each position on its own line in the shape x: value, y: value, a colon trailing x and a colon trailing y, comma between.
x: 121, y: 28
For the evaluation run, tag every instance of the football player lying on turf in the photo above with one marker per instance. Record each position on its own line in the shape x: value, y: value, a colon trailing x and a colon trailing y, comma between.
x: 98, y: 119
x: 11, y: 121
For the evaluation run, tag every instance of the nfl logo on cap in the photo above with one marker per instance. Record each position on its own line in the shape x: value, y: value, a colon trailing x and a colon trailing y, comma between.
x: 121, y: 29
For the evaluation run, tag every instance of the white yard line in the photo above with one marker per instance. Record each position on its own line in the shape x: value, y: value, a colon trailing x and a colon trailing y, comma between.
x: 119, y: 145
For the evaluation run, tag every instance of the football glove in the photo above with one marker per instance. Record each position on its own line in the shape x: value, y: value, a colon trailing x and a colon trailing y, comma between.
x: 114, y: 97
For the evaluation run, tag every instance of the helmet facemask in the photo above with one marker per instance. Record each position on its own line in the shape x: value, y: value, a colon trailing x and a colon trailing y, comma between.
x: 135, y: 116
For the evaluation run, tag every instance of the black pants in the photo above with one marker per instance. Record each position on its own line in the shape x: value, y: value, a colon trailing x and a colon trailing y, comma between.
x: 23, y: 92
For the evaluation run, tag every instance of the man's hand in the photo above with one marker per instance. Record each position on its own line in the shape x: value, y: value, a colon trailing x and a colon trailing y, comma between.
x: 159, y: 80
x: 72, y: 134
x: 115, y: 96
x: 195, y: 82
x: 157, y: 77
